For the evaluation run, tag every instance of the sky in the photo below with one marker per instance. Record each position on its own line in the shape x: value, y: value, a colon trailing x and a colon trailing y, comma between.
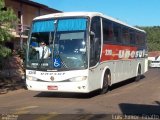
x: 133, y: 12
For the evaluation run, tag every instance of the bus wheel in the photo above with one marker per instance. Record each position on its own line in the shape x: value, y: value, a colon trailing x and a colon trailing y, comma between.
x: 106, y: 80
x: 138, y: 77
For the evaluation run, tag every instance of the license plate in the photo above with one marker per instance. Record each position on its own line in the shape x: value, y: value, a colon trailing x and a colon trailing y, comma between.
x: 52, y: 87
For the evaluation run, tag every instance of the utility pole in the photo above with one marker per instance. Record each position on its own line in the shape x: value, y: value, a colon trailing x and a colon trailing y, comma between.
x: 20, y: 16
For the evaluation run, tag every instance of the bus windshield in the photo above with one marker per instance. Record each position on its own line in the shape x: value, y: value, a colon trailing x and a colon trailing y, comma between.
x: 58, y: 44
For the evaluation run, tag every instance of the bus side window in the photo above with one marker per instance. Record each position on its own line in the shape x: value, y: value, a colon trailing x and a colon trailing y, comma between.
x: 138, y: 38
x: 132, y: 37
x: 107, y: 31
x: 95, y: 41
x: 117, y: 32
x: 125, y: 36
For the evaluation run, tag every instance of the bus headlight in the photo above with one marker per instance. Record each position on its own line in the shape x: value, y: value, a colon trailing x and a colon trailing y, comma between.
x: 77, y: 79
x: 31, y: 78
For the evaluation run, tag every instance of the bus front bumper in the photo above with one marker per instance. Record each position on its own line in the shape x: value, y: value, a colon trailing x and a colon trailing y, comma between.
x: 76, y: 87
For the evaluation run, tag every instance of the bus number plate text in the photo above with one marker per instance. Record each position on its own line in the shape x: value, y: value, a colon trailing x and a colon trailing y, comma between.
x: 52, y: 87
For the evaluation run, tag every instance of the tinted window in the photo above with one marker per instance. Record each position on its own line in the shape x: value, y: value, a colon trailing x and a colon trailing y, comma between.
x: 96, y: 27
x: 117, y: 32
x: 95, y: 42
x: 125, y: 35
x: 108, y: 34
x: 132, y: 37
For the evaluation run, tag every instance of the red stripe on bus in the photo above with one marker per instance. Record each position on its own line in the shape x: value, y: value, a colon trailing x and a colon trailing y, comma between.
x: 116, y: 52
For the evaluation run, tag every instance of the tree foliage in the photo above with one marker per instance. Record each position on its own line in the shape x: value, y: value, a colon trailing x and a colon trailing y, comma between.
x: 153, y: 37
x: 8, y: 21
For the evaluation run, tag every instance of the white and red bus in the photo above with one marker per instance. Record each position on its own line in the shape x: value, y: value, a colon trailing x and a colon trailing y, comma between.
x: 89, y: 51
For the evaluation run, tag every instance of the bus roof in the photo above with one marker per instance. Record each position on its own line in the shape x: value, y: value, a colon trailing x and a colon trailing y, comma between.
x: 87, y: 14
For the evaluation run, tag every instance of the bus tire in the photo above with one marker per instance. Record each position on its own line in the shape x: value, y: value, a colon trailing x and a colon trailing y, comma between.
x: 106, y: 79
x: 138, y: 77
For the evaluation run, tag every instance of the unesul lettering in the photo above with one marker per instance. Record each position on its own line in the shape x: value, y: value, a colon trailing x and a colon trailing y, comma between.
x: 131, y: 54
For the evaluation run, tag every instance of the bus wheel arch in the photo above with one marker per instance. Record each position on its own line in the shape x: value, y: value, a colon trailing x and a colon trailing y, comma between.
x: 139, y: 72
x: 106, y: 81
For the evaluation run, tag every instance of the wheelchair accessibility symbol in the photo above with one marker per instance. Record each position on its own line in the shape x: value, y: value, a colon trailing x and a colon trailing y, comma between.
x: 56, y: 62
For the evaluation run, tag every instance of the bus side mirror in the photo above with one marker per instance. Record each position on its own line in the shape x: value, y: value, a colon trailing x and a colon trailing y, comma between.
x: 92, y: 35
x: 93, y: 38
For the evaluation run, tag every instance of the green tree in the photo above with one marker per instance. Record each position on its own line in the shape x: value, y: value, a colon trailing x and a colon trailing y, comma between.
x: 8, y: 21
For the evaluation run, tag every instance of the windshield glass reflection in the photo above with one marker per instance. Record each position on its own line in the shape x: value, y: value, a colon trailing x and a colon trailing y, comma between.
x: 58, y: 44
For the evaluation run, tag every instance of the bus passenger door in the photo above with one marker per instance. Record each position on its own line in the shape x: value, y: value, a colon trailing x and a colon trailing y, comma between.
x: 95, y: 41
x: 95, y: 50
